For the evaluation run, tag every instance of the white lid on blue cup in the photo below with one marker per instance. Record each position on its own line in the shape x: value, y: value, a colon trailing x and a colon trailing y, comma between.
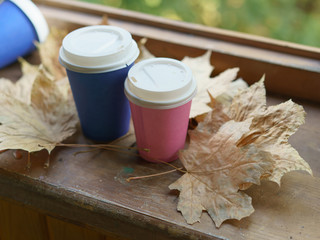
x: 160, y: 83
x: 35, y: 16
x: 97, y: 49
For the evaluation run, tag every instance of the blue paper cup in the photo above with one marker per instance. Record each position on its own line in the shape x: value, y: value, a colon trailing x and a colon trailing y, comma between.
x: 103, y: 110
x: 21, y: 24
x: 97, y: 60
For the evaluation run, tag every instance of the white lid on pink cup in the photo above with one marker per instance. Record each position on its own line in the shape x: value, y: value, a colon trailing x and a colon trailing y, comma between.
x: 97, y: 49
x: 160, y: 83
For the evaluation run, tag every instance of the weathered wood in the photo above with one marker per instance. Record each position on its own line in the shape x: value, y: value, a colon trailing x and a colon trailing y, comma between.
x: 59, y: 230
x: 90, y: 189
x: 18, y: 222
x: 289, y: 212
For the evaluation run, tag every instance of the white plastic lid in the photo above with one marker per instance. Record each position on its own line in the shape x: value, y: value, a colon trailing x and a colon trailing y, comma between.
x: 97, y: 49
x: 35, y: 16
x: 160, y: 83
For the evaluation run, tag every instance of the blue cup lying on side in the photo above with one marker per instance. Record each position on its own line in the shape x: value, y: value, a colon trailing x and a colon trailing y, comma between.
x: 21, y: 24
x: 97, y: 60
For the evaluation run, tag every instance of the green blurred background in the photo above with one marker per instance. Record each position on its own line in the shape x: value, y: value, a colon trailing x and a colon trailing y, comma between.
x: 290, y: 20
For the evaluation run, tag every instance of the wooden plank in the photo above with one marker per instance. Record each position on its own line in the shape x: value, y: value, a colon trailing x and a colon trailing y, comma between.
x: 291, y: 71
x: 145, y: 208
x: 60, y: 230
x: 286, y: 212
x: 91, y: 188
x: 20, y: 223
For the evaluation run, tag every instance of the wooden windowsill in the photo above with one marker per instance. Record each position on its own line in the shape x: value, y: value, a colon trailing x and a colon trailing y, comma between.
x: 90, y: 189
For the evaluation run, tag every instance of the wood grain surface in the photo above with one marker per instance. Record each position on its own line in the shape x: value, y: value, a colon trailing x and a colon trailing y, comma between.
x: 91, y: 188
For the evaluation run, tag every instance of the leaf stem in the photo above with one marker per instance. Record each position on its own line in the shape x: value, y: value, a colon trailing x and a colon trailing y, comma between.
x: 153, y: 175
x: 176, y: 168
x: 103, y: 146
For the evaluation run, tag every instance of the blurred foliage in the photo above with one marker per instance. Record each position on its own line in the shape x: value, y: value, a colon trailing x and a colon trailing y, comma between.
x: 290, y: 20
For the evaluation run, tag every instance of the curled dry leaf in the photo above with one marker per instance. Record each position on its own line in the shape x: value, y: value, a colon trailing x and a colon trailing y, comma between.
x: 47, y: 120
x: 201, y: 69
x: 271, y: 128
x: 216, y: 168
x: 233, y: 148
x: 104, y: 20
x: 144, y: 52
x: 49, y: 52
x: 22, y: 88
x: 222, y: 87
x: 38, y: 111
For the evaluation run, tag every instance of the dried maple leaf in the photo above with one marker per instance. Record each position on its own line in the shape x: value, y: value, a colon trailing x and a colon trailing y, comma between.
x: 22, y: 88
x: 216, y: 168
x: 222, y: 87
x: 201, y: 69
x: 270, y: 128
x: 49, y: 52
x: 249, y: 102
x: 104, y: 20
x: 144, y: 52
x: 260, y: 141
x: 47, y: 120
x: 214, y: 119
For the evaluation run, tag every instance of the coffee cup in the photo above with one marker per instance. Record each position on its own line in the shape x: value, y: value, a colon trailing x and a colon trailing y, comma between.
x: 97, y: 60
x: 160, y: 91
x: 21, y: 25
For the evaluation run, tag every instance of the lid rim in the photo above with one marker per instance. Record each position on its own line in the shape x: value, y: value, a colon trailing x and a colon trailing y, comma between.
x: 160, y: 81
x: 97, y: 69
x: 160, y: 104
x: 98, y: 62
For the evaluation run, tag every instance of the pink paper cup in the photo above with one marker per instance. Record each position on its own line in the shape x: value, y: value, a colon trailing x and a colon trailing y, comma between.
x: 160, y: 92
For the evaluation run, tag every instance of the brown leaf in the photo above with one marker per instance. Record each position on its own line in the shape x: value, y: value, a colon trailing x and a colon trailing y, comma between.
x: 47, y: 120
x: 216, y: 168
x: 22, y: 88
x: 144, y: 52
x: 105, y: 20
x: 201, y: 69
x: 248, y: 102
x: 271, y: 128
x: 234, y: 147
x: 222, y: 87
x: 49, y: 53
x: 212, y: 122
